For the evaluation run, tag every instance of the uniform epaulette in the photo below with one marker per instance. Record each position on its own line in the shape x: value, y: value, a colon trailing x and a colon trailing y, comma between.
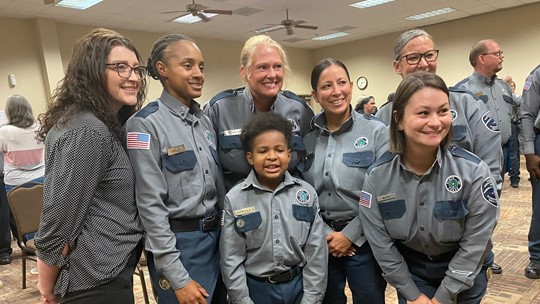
x: 295, y: 97
x: 463, y: 91
x: 225, y: 94
x: 148, y: 109
x: 386, y: 157
x: 460, y: 152
x: 536, y: 68
x: 461, y: 82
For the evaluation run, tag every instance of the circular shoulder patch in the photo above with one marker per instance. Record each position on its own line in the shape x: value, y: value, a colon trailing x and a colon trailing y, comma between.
x: 453, y: 183
x: 361, y: 142
x: 488, y: 192
x: 209, y: 136
x: 489, y: 122
x: 294, y: 125
x: 302, y: 196
x: 454, y: 114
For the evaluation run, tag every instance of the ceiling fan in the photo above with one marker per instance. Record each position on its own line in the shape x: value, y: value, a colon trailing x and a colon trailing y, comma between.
x: 199, y: 10
x: 286, y: 24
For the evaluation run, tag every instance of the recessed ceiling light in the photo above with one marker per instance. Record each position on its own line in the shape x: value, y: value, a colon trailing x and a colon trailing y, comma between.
x: 442, y: 11
x: 78, y: 4
x: 189, y: 18
x: 331, y: 36
x: 369, y: 3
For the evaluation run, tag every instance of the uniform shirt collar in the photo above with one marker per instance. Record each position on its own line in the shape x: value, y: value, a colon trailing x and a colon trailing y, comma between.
x: 252, y: 181
x: 483, y: 79
x: 248, y: 97
x: 437, y: 162
x: 319, y: 122
x: 179, y: 108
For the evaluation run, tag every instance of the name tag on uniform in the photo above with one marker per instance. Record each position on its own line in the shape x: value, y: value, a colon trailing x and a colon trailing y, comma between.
x: 386, y: 197
x: 176, y: 150
x: 244, y: 211
x: 232, y: 132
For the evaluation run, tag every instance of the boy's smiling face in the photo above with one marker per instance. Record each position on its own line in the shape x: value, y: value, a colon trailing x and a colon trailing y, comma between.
x: 270, y: 156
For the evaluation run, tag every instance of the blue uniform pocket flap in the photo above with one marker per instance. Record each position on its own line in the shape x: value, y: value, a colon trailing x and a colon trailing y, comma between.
x: 484, y: 98
x: 297, y: 144
x: 305, y: 164
x: 230, y: 142
x: 508, y: 99
x: 303, y: 213
x: 392, y: 209
x: 214, y: 155
x: 362, y: 159
x: 460, y: 132
x: 180, y: 162
x: 450, y: 210
x: 248, y: 222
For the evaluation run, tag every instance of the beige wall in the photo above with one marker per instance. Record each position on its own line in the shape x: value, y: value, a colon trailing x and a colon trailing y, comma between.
x: 30, y: 51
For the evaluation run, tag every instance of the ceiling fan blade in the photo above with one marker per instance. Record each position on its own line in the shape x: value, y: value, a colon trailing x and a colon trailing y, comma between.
x: 267, y: 29
x: 290, y: 30
x: 220, y: 12
x: 305, y: 26
x: 173, y: 12
x: 203, y: 16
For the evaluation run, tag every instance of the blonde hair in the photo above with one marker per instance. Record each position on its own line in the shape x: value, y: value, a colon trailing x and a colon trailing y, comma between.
x: 251, y: 45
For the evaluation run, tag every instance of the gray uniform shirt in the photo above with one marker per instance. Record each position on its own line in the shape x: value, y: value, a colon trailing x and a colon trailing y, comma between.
x: 173, y: 152
x: 267, y: 232
x: 474, y: 127
x: 453, y: 206
x: 230, y: 110
x: 530, y: 107
x: 496, y: 95
x: 336, y: 165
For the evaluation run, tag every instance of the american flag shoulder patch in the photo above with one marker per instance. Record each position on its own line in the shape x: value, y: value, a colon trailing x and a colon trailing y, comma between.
x: 138, y: 140
x: 365, y: 199
x: 527, y: 85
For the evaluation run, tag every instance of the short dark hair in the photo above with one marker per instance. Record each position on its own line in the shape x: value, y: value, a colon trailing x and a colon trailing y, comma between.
x: 160, y: 52
x: 321, y: 66
x: 411, y: 84
x: 478, y: 49
x: 262, y: 122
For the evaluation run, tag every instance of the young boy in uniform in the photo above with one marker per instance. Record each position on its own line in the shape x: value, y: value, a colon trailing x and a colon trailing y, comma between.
x: 272, y: 247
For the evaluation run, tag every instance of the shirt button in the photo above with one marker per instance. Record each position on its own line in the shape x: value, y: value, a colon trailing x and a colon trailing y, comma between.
x: 421, y: 228
x: 329, y: 194
x: 326, y: 173
x: 329, y: 154
x: 206, y: 171
x: 276, y: 216
x: 327, y: 213
x: 421, y: 203
x: 200, y: 148
x: 277, y: 241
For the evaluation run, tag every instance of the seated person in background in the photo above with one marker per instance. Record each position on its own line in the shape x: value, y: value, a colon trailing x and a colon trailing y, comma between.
x: 270, y: 204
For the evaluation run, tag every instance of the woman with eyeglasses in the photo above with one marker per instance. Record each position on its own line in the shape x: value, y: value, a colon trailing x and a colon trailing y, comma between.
x: 172, y: 147
x: 90, y: 235
x: 428, y: 208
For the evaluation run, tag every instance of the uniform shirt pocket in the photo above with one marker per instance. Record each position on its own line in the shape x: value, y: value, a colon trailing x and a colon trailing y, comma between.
x: 451, y: 219
x: 247, y: 224
x: 362, y: 159
x: 297, y: 144
x: 305, y: 164
x: 230, y: 142
x: 180, y: 162
x: 214, y: 154
x: 508, y: 99
x: 392, y: 214
x: 305, y: 215
x: 460, y: 132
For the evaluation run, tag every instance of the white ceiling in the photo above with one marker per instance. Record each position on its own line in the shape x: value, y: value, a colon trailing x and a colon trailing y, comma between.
x: 329, y: 15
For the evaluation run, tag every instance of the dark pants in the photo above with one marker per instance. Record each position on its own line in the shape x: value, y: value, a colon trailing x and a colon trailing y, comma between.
x: 285, y: 293
x: 5, y: 235
x: 428, y: 274
x: 117, y: 291
x: 534, y: 229
x: 364, y: 275
x: 199, y: 253
x: 512, y: 159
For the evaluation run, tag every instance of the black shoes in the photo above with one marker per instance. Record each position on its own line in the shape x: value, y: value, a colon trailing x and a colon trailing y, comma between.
x: 533, y: 270
x: 5, y: 259
x: 496, y: 268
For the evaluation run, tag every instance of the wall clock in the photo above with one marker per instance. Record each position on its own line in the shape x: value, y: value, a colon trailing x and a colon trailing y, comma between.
x: 362, y: 83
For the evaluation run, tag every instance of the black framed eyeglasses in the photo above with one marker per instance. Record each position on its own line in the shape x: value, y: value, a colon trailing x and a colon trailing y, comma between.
x: 415, y: 58
x: 498, y: 54
x: 124, y: 70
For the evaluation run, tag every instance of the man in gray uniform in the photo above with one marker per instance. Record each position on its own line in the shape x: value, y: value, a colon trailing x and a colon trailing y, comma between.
x: 530, y: 121
x: 474, y: 127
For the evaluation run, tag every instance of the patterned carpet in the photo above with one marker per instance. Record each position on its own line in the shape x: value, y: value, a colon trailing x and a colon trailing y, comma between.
x: 510, y: 252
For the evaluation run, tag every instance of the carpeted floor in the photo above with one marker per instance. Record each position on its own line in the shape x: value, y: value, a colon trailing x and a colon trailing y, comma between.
x: 510, y: 252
